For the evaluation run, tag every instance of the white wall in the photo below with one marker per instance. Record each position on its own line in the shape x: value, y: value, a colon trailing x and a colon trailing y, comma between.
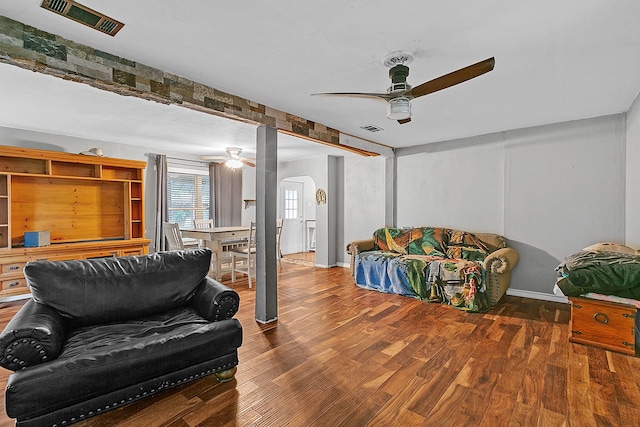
x: 457, y: 184
x: 309, y: 195
x: 551, y: 190
x: 364, y: 199
x: 564, y: 190
x: 632, y: 228
x: 248, y: 193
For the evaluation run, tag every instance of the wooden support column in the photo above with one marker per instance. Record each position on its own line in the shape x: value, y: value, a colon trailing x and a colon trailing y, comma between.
x: 266, y: 209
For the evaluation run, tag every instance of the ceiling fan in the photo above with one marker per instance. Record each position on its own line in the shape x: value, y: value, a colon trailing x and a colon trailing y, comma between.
x: 400, y: 93
x: 233, y: 160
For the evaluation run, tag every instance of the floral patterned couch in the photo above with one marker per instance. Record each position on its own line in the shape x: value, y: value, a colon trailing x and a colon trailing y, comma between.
x: 470, y: 271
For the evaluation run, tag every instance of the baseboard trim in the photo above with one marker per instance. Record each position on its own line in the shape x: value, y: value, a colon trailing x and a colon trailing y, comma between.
x: 537, y: 295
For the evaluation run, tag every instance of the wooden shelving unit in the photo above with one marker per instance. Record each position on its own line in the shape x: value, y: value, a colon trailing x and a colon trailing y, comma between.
x: 4, y: 211
x: 91, y: 206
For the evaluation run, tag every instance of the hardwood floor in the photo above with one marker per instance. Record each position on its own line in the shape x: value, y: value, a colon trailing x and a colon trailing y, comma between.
x: 343, y: 356
x: 304, y: 256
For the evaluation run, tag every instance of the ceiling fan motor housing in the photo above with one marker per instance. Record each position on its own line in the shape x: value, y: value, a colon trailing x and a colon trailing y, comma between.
x: 398, y: 75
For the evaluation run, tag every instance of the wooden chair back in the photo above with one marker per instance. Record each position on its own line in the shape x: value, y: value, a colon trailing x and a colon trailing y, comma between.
x: 172, y: 233
x: 203, y: 223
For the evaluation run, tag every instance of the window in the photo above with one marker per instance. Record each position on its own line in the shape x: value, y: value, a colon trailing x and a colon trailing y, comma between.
x: 290, y: 204
x: 187, y: 197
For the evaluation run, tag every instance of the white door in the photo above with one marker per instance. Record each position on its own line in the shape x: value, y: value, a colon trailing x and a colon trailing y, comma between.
x: 291, y: 211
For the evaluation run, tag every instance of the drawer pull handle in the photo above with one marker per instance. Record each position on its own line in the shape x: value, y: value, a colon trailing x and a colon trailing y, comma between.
x: 13, y: 284
x: 630, y: 344
x: 601, y: 318
x: 14, y: 267
x: 628, y: 316
x: 576, y: 332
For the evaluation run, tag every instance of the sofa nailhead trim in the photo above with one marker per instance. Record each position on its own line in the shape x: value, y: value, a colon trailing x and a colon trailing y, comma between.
x: 144, y: 393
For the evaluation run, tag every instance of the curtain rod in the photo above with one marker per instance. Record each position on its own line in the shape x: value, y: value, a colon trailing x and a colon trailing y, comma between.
x: 178, y: 159
x: 188, y: 160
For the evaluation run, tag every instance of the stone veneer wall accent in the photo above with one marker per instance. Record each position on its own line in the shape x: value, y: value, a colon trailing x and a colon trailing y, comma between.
x: 47, y: 53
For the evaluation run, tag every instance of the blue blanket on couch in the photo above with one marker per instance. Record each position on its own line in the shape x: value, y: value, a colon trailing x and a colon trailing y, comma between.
x: 454, y: 281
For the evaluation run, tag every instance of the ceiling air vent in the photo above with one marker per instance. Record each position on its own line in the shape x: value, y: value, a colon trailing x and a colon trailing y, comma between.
x: 371, y: 128
x: 83, y: 15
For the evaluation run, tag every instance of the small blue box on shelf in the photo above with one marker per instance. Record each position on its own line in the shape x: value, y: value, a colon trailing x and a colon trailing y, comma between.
x: 34, y: 239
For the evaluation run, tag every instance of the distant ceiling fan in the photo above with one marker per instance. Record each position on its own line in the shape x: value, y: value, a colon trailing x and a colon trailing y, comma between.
x: 233, y: 160
x: 400, y: 93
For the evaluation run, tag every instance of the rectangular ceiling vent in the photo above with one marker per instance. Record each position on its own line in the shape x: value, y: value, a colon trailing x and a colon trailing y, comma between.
x: 371, y: 128
x: 83, y: 15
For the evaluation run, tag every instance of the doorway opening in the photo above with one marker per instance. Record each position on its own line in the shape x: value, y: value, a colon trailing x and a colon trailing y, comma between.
x: 297, y: 208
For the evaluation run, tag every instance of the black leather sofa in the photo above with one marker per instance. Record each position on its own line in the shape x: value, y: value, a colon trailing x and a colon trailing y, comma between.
x: 98, y: 334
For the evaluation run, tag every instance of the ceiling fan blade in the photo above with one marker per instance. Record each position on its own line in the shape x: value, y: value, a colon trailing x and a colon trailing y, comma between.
x: 403, y: 121
x: 384, y: 96
x: 453, y: 78
x: 248, y: 163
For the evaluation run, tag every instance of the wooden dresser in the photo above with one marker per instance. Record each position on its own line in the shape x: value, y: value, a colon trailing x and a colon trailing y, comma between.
x: 610, y: 325
x: 91, y: 206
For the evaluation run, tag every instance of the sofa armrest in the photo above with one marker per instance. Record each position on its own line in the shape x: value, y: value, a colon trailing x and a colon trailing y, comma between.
x: 354, y: 248
x: 498, y: 265
x: 360, y: 246
x: 501, y: 261
x: 215, y: 301
x: 33, y: 336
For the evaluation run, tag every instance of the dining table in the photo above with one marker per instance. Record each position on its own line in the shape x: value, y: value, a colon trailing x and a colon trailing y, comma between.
x: 218, y: 239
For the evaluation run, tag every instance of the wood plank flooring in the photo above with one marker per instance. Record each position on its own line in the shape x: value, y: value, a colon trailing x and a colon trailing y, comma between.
x: 343, y: 356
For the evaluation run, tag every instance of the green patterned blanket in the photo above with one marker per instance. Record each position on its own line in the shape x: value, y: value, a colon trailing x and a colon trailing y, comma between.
x: 433, y: 264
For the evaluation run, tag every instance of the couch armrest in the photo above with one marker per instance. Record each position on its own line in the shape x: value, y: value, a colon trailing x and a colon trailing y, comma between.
x: 354, y: 248
x: 498, y: 265
x: 501, y: 261
x: 360, y: 246
x: 33, y: 336
x: 215, y: 301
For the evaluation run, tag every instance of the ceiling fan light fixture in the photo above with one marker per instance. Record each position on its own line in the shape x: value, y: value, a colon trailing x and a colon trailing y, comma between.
x: 399, y: 108
x: 233, y: 163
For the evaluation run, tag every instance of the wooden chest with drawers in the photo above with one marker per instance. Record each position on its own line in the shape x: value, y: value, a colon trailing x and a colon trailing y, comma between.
x: 610, y: 325
x: 12, y: 261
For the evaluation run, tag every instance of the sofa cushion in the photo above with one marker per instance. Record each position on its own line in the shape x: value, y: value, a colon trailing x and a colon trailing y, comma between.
x: 108, y: 289
x: 466, y: 252
x: 464, y: 245
x: 413, y: 241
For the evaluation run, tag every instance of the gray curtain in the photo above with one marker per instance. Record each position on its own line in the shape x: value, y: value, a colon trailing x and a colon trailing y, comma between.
x: 226, y: 195
x: 161, y: 200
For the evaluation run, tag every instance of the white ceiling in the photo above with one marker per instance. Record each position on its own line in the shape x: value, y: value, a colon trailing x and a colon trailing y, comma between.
x: 555, y: 61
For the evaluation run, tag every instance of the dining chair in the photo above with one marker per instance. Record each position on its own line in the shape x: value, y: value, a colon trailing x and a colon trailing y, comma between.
x: 243, y: 258
x: 175, y: 242
x: 227, y: 245
x: 203, y: 223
